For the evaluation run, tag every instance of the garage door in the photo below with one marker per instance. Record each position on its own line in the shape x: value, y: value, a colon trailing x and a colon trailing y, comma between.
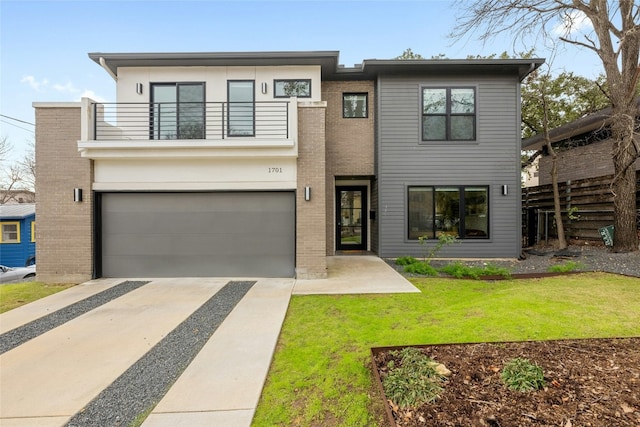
x: 247, y: 234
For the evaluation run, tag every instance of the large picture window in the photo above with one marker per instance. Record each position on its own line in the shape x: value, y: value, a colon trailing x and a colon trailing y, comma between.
x: 448, y: 114
x: 462, y: 212
x: 177, y: 111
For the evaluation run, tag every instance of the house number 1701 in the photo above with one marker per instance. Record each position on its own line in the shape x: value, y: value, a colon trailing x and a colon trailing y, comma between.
x: 275, y: 170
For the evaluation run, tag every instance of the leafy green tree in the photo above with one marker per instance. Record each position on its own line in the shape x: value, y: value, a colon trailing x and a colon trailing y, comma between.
x: 611, y: 30
x: 568, y: 98
x: 409, y: 54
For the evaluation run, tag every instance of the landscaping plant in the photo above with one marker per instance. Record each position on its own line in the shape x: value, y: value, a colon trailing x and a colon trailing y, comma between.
x: 414, y: 381
x: 522, y: 375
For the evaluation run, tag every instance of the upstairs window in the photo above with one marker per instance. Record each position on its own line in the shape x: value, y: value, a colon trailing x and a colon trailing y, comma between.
x: 289, y: 88
x: 10, y: 232
x: 448, y: 114
x: 354, y: 105
x: 177, y: 111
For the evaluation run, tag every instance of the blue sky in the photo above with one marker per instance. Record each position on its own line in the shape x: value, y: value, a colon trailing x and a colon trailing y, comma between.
x: 44, y: 44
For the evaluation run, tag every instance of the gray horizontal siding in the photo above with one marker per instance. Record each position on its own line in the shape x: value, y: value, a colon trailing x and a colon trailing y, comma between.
x: 492, y: 160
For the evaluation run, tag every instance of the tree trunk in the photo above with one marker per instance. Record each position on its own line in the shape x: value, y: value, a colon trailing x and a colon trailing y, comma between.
x: 557, y: 209
x: 623, y: 186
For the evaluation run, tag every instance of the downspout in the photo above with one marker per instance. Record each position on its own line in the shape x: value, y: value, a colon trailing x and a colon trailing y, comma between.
x: 103, y: 64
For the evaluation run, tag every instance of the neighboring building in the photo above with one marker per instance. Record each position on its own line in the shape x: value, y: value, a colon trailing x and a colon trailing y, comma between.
x: 263, y: 164
x: 583, y: 146
x: 13, y: 197
x: 585, y: 170
x: 17, y: 234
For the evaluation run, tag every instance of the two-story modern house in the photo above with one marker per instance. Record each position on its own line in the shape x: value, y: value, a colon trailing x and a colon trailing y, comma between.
x: 265, y: 163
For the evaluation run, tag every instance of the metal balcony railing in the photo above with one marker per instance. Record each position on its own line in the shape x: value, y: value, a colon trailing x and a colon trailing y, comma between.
x: 190, y: 120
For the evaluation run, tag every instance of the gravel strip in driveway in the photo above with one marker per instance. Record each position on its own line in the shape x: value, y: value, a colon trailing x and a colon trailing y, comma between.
x: 15, y: 337
x: 144, y: 384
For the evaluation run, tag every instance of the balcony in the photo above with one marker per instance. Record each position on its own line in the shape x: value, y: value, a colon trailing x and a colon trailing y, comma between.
x: 167, y: 129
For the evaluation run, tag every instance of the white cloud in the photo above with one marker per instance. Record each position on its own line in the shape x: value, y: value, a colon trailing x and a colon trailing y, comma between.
x: 91, y: 94
x: 34, y: 83
x: 68, y: 87
x: 572, y: 22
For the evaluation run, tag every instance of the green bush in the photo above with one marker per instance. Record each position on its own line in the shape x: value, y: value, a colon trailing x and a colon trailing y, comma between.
x: 414, y: 380
x: 406, y: 260
x: 459, y: 270
x: 421, y: 267
x: 566, y: 267
x: 521, y: 375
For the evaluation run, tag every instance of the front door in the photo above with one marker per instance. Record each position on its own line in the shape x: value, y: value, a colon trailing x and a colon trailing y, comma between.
x: 351, y: 218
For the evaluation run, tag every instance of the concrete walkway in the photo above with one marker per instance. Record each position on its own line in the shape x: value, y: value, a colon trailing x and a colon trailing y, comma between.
x: 48, y: 379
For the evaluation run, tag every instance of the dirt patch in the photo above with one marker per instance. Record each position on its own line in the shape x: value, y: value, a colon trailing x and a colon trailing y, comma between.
x: 591, y: 382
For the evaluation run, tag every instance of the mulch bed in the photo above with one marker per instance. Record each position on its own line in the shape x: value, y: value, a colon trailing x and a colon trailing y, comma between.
x: 590, y: 382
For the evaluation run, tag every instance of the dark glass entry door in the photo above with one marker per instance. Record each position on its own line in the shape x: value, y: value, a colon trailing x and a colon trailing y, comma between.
x: 351, y: 218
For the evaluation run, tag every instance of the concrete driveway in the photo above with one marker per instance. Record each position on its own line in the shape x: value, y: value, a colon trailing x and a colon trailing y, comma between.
x: 198, y: 347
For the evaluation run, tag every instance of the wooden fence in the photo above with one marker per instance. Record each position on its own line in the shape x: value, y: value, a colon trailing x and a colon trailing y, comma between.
x: 589, y: 201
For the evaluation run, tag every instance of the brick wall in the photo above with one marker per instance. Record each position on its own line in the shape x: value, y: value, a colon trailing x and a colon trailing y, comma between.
x: 589, y: 161
x: 311, y: 262
x: 64, y: 227
x: 350, y: 144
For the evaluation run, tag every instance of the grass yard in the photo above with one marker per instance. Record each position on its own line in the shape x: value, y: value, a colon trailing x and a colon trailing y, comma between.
x: 14, y: 295
x: 320, y: 375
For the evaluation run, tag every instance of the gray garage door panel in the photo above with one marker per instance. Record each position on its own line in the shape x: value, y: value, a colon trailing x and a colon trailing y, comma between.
x: 198, y: 234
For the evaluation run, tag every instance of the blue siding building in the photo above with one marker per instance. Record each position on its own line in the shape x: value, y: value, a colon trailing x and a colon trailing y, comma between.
x: 17, y: 234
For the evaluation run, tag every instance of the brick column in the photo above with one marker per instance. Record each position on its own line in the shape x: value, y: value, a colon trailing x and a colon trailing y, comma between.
x: 64, y: 228
x: 311, y: 221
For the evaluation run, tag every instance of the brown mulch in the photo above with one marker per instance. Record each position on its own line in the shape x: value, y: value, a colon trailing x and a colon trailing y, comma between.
x: 590, y: 382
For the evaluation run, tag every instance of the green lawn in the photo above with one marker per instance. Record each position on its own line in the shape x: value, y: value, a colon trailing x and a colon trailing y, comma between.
x: 16, y: 294
x: 320, y: 374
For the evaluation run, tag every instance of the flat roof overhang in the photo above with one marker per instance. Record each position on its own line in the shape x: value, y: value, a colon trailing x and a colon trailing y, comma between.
x: 369, y: 69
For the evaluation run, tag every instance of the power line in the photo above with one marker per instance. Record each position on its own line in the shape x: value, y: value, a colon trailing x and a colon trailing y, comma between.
x: 14, y: 125
x: 17, y: 120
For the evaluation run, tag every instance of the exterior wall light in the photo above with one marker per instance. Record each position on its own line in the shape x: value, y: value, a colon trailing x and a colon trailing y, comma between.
x: 77, y: 194
x: 264, y: 88
x: 139, y: 88
x: 307, y: 193
x: 505, y: 189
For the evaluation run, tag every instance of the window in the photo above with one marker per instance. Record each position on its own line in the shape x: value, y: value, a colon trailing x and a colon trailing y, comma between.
x: 177, y: 111
x: 354, y: 105
x: 33, y: 231
x: 10, y: 232
x: 241, y: 97
x: 289, y: 88
x: 448, y: 114
x: 459, y: 211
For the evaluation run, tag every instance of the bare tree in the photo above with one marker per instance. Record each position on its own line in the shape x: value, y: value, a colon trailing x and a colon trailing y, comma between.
x: 615, y: 38
x: 5, y: 148
x: 28, y: 168
x: 18, y: 175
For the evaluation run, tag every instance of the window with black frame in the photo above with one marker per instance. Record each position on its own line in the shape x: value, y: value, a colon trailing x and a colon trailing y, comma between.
x: 300, y: 88
x: 448, y: 114
x: 177, y: 111
x: 354, y: 105
x: 462, y: 212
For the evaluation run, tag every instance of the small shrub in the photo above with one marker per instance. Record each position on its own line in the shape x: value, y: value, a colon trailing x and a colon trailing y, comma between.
x: 522, y: 375
x: 421, y: 267
x: 566, y: 267
x: 460, y: 270
x: 413, y: 381
x: 406, y: 260
x: 494, y: 270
